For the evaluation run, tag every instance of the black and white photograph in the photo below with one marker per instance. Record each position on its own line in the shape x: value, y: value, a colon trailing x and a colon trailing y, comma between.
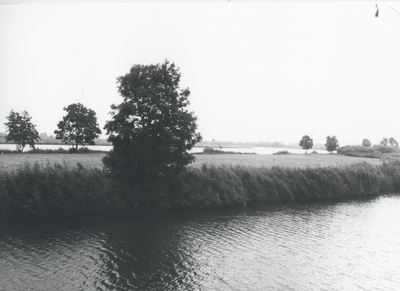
x: 199, y: 145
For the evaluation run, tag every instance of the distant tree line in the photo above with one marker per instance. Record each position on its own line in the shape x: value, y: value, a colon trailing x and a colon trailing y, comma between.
x: 332, y: 144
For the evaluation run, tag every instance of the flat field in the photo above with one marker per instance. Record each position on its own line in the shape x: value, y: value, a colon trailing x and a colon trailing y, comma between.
x: 9, y: 162
x: 290, y: 160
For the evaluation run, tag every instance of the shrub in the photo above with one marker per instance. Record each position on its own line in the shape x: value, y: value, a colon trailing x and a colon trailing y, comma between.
x: 212, y: 151
x: 282, y: 153
x: 72, y: 150
x: 385, y: 149
x: 47, y: 151
x: 358, y: 151
x: 83, y: 150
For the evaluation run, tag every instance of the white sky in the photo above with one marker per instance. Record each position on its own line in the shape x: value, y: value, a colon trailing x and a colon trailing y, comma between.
x: 264, y: 71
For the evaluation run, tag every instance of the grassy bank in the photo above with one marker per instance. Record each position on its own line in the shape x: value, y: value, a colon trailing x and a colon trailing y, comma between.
x: 51, y: 190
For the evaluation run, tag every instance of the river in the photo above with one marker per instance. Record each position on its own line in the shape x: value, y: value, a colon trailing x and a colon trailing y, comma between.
x: 322, y: 245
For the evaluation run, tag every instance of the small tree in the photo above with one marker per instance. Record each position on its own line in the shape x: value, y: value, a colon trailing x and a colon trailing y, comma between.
x: 384, y: 141
x: 151, y: 130
x: 366, y: 143
x: 331, y: 144
x: 21, y: 130
x: 78, y: 127
x: 306, y: 143
x: 393, y: 142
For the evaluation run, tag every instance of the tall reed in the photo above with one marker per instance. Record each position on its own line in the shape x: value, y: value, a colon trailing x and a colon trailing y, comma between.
x: 50, y: 190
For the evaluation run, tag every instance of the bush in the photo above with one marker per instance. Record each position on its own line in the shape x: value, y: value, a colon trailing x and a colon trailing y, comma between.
x: 47, y: 151
x: 212, y: 151
x: 83, y: 150
x: 282, y: 153
x: 358, y: 151
x: 385, y: 149
x: 72, y: 150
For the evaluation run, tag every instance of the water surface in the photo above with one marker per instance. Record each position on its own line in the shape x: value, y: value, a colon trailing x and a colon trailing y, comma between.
x: 325, y: 245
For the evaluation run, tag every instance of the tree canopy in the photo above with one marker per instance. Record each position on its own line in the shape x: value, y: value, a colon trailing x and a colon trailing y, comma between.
x: 151, y: 130
x: 78, y: 127
x: 21, y: 130
x: 306, y: 143
x: 331, y: 144
x: 384, y: 141
x: 366, y: 143
x: 393, y: 142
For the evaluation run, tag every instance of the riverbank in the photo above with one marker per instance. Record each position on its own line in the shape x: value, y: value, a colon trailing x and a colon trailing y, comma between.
x: 59, y: 189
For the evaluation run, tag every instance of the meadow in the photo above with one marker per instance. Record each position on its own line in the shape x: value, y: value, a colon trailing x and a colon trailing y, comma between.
x: 9, y: 162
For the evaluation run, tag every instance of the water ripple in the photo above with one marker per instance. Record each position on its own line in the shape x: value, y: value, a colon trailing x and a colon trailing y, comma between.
x: 345, y: 245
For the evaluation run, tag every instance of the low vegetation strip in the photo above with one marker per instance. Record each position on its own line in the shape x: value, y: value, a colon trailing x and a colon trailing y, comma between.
x: 52, y: 190
x: 377, y: 151
x: 10, y: 162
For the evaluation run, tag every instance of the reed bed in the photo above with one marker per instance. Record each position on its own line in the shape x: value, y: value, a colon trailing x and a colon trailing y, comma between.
x: 59, y: 189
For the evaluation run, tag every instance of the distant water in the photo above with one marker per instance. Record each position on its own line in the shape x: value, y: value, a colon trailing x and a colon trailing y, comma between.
x: 257, y: 150
x: 325, y: 245
x: 54, y: 147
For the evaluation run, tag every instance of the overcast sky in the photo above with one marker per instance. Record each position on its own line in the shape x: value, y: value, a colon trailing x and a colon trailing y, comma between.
x: 257, y: 71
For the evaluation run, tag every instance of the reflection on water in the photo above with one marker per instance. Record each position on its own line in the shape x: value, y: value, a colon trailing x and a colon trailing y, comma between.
x: 336, y: 245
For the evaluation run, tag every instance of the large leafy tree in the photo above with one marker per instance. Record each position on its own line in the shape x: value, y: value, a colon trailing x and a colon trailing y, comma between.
x: 78, y: 127
x: 21, y: 130
x: 331, y: 143
x: 306, y: 143
x: 151, y: 130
